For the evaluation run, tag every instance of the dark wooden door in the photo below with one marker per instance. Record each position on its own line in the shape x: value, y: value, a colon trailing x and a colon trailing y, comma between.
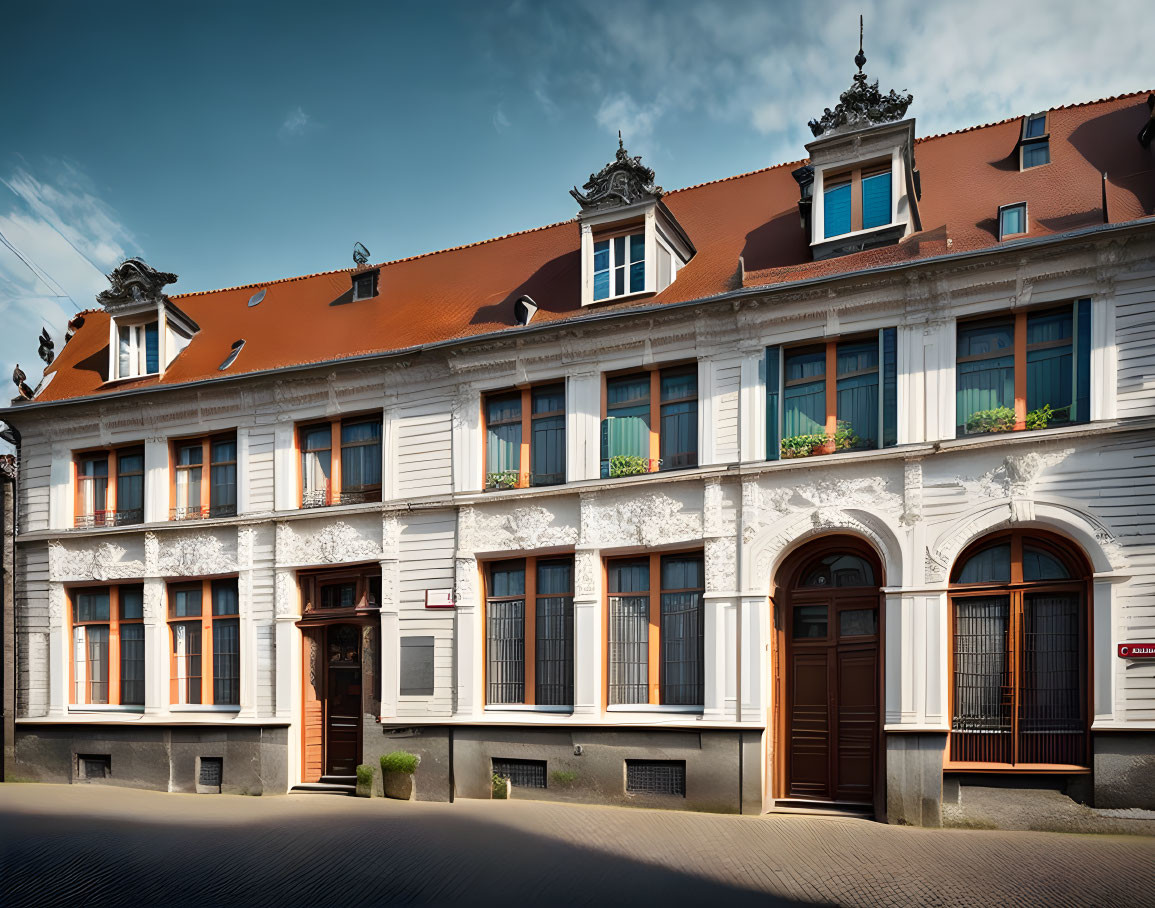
x: 343, y: 700
x: 832, y: 695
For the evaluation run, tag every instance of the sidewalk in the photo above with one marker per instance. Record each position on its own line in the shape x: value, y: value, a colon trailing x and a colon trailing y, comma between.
x: 67, y: 845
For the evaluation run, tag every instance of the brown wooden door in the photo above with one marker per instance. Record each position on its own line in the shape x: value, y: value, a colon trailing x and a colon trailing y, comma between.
x: 343, y: 699
x: 832, y: 695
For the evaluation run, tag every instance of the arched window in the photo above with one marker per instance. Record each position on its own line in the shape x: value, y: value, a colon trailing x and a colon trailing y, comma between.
x: 1018, y: 604
x: 837, y: 570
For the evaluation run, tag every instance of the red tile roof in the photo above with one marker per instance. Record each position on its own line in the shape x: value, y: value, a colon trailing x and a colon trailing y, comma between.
x: 470, y: 290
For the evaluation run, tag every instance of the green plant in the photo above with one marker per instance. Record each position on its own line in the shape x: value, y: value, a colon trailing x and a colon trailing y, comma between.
x: 998, y: 419
x: 500, y: 787
x: 501, y: 479
x: 628, y: 465
x: 400, y: 761
x: 801, y: 445
x: 1038, y: 419
x: 564, y: 776
x: 845, y: 437
x: 365, y: 774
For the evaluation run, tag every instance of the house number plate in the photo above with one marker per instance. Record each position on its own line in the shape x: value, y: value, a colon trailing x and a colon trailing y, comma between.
x: 1137, y: 650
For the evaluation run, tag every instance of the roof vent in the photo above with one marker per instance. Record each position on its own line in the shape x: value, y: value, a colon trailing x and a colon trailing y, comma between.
x: 257, y: 297
x: 524, y: 310
x: 234, y: 353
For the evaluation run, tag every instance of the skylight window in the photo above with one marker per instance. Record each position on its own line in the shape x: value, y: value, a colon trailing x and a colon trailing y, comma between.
x: 231, y: 358
x: 257, y: 297
x: 1012, y: 220
x: 1034, y: 143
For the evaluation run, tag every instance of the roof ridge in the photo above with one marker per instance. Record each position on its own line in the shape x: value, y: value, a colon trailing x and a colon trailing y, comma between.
x: 529, y: 230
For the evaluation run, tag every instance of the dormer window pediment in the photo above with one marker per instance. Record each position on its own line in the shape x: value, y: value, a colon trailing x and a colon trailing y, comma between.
x: 631, y: 243
x: 146, y: 329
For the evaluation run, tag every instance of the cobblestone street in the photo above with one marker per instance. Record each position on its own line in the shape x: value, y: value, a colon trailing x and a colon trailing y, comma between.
x: 68, y: 845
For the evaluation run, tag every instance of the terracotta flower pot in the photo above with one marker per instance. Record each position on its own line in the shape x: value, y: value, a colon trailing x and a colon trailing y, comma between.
x: 399, y: 785
x: 827, y: 447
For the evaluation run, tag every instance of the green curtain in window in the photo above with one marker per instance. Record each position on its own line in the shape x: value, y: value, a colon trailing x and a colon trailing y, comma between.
x: 773, y: 389
x: 983, y: 385
x: 503, y: 442
x: 804, y: 409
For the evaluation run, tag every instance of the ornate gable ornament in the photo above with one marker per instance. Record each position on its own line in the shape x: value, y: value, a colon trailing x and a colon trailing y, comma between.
x: 134, y: 282
x: 862, y: 104
x: 623, y: 181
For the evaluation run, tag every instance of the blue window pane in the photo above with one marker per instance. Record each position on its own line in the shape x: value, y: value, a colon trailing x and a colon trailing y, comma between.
x: 1036, y: 153
x: 508, y: 579
x: 889, y: 387
x: 637, y: 277
x: 601, y: 285
x: 628, y: 390
x: 619, y: 281
x: 805, y: 365
x: 1041, y: 565
x: 1014, y: 221
x: 637, y: 247
x: 988, y: 338
x: 876, y: 200
x: 991, y: 565
x: 151, y: 348
x: 1035, y: 126
x: 629, y: 576
x: 837, y: 210
x: 602, y: 255
x: 772, y: 391
x: 1081, y: 410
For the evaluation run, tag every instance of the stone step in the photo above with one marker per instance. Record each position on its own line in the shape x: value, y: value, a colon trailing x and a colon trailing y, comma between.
x: 324, y: 788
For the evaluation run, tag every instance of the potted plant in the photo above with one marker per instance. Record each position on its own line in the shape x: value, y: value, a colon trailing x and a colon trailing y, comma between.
x: 502, y: 479
x: 502, y: 788
x: 845, y: 438
x: 397, y: 771
x: 802, y: 445
x: 365, y: 774
x: 1038, y: 419
x: 628, y: 465
x: 998, y: 419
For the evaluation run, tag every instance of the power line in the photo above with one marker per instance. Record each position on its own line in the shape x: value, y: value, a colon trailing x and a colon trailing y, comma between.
x: 42, y: 275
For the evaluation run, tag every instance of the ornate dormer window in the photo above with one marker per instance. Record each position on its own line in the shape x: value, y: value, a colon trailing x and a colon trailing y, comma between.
x: 861, y: 187
x: 146, y: 329
x: 631, y: 244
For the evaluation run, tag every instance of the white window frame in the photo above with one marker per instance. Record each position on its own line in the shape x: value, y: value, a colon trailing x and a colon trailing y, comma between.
x: 137, y: 349
x: 1026, y: 222
x: 614, y: 265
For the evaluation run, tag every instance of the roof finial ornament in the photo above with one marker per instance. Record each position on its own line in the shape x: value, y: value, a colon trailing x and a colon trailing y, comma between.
x: 623, y: 181
x: 860, y: 57
x: 621, y: 146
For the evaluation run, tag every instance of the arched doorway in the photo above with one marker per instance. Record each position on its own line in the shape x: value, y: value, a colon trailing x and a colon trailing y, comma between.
x: 828, y: 623
x: 1019, y: 654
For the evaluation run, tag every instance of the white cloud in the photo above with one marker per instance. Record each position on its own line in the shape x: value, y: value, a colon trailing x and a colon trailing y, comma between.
x: 72, y: 236
x: 296, y: 123
x: 636, y: 122
x: 500, y: 120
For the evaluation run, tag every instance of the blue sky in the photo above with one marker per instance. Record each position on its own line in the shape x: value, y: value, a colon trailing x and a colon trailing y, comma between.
x: 240, y: 142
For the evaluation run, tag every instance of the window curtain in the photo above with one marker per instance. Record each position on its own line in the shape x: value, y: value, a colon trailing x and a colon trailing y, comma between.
x: 505, y: 636
x: 876, y: 200
x: 629, y: 633
x: 678, y: 436
x: 988, y: 383
x: 503, y: 442
x: 683, y: 632
x: 130, y: 485
x: 361, y: 456
x: 804, y: 404
x: 97, y: 648
x: 132, y: 664
x: 553, y: 672
x: 601, y: 269
x: 547, y: 446
x: 151, y: 348
x: 857, y: 395
x: 773, y: 390
x: 316, y: 461
x: 1050, y: 375
x: 186, y: 640
x: 836, y: 211
x: 982, y: 692
x: 223, y: 478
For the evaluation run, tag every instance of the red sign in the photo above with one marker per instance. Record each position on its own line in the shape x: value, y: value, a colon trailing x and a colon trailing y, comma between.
x: 1137, y: 650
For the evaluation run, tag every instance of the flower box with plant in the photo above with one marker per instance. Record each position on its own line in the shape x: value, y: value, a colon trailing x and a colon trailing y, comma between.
x: 845, y: 438
x: 998, y: 419
x: 502, y: 788
x: 502, y: 479
x: 397, y: 771
x: 365, y: 773
x: 628, y: 465
x: 802, y: 445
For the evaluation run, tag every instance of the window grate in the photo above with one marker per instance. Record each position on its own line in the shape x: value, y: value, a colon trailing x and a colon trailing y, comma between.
x: 94, y: 766
x: 211, y: 772
x: 664, y: 777
x: 522, y: 773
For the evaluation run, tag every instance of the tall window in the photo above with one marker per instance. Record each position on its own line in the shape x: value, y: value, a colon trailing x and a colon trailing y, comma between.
x: 138, y: 350
x: 856, y: 199
x: 204, y: 626
x: 656, y: 630
x: 204, y: 478
x: 525, y: 437
x: 108, y: 646
x: 837, y: 396
x: 1029, y: 370
x: 1020, y: 653
x: 352, y: 478
x: 619, y: 266
x: 99, y: 503
x: 651, y: 421
x: 1035, y: 144
x: 529, y: 632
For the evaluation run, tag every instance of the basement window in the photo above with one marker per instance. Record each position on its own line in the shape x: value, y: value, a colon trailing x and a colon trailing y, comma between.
x: 662, y: 777
x: 522, y: 773
x: 90, y: 767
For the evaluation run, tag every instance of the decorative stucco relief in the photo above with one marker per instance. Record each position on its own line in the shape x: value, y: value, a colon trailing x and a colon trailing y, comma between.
x: 801, y: 527
x: 721, y: 564
x: 105, y: 561
x: 644, y: 519
x: 519, y: 529
x: 1016, y: 475
x: 465, y: 579
x: 390, y: 572
x: 194, y: 555
x: 911, y: 493
x: 825, y: 496
x: 153, y: 600
x: 57, y: 599
x: 246, y: 540
x: 716, y: 519
x: 585, y: 574
x: 390, y: 535
x: 285, y: 594
x: 330, y: 543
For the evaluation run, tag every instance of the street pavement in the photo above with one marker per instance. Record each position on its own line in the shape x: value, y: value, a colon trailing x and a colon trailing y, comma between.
x: 97, y: 845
